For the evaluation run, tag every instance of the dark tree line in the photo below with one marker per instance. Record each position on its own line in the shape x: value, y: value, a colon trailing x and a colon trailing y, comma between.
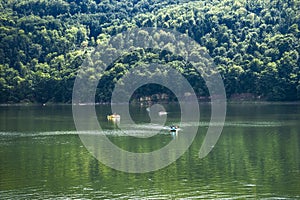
x: 254, y: 43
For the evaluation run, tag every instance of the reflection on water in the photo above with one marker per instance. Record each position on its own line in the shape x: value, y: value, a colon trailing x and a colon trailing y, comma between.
x: 257, y: 156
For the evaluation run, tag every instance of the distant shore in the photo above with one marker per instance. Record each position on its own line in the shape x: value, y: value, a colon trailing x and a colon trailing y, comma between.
x: 143, y: 104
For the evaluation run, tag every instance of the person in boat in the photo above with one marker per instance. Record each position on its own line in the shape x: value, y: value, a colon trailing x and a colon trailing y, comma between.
x: 114, y: 116
x: 173, y: 128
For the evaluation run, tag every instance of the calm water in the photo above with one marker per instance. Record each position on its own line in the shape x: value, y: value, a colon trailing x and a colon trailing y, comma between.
x: 257, y: 156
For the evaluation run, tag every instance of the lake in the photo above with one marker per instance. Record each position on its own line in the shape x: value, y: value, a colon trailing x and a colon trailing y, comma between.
x: 257, y: 156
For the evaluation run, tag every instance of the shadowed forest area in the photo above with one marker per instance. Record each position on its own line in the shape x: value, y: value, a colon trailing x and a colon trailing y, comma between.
x: 254, y: 44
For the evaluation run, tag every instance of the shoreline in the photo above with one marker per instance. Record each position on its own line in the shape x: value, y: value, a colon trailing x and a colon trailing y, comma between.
x: 229, y: 102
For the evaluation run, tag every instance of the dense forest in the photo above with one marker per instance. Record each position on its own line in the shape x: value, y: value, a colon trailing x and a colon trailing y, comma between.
x: 254, y: 44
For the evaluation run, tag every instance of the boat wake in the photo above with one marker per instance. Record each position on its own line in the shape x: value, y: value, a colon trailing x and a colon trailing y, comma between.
x: 141, y: 130
x: 137, y: 133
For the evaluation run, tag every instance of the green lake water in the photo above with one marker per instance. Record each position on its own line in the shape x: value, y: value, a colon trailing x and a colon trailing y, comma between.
x: 256, y: 157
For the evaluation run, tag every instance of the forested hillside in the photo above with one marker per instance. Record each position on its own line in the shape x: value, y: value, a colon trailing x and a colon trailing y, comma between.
x: 254, y: 43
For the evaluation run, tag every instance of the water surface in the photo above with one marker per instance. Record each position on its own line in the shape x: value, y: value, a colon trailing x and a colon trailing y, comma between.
x: 257, y: 156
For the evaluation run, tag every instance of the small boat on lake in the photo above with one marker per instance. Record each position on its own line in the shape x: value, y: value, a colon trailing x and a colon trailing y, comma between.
x: 113, y: 117
x: 160, y: 113
x: 174, y: 129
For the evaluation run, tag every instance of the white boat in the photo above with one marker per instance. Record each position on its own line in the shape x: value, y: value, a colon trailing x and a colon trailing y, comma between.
x: 160, y: 113
x: 174, y: 128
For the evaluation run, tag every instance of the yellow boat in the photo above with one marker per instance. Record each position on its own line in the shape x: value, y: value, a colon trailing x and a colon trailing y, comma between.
x: 113, y: 117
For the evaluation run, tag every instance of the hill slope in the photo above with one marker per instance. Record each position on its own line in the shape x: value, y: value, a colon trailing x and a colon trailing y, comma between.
x: 254, y: 43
